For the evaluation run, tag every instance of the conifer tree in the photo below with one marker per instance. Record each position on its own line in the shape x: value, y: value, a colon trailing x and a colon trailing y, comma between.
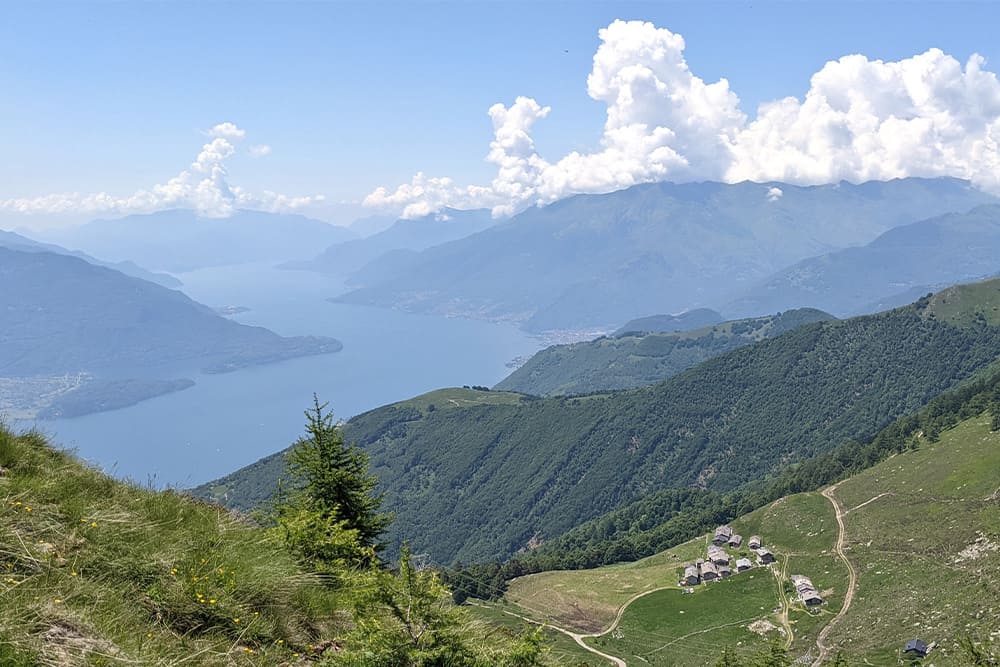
x: 333, y: 513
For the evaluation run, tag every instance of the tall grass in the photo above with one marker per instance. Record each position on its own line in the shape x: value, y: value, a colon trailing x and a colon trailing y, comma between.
x: 100, y: 572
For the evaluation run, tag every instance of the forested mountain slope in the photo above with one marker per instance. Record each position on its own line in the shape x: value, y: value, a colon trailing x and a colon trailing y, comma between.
x: 635, y: 360
x: 921, y: 532
x: 595, y: 261
x: 484, y: 481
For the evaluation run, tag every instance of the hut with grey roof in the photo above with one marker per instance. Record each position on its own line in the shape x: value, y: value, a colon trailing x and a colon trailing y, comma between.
x: 722, y: 535
x: 765, y: 556
x: 807, y: 592
x: 718, y: 555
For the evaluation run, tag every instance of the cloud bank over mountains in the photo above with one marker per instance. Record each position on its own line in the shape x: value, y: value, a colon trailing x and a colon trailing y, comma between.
x: 203, y: 186
x: 860, y: 120
x: 928, y: 115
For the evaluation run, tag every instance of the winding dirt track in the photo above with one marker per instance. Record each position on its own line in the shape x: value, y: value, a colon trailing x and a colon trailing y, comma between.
x: 576, y: 636
x: 579, y: 637
x: 824, y: 650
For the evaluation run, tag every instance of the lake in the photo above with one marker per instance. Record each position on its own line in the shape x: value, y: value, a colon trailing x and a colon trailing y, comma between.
x: 227, y: 421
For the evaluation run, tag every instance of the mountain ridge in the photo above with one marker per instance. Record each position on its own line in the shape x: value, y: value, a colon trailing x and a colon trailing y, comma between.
x: 179, y: 240
x: 631, y: 360
x: 64, y: 316
x: 942, y: 250
x: 594, y: 261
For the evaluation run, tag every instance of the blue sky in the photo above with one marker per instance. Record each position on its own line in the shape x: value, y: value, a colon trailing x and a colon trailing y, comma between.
x: 115, y: 97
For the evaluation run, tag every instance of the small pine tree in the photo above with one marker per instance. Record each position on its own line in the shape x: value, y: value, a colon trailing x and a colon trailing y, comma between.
x: 332, y: 515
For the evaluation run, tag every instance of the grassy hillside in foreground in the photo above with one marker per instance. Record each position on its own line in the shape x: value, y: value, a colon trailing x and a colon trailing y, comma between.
x: 483, y: 482
x: 98, y: 572
x: 922, y: 532
x: 636, y: 359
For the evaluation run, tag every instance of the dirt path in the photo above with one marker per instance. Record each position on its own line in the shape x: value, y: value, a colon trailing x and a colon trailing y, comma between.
x: 779, y: 577
x: 575, y: 636
x: 578, y: 637
x: 824, y: 650
x: 846, y: 512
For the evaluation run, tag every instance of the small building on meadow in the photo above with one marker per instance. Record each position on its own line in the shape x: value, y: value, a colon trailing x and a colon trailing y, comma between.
x: 722, y: 535
x: 691, y: 576
x: 765, y: 556
x: 709, y: 572
x: 743, y: 564
x: 754, y: 542
x: 735, y: 541
x: 807, y: 592
x: 811, y: 598
x: 915, y: 648
x: 725, y: 571
x: 718, y: 555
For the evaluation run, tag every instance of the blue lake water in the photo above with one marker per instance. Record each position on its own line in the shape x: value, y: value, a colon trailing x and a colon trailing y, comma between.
x: 227, y: 421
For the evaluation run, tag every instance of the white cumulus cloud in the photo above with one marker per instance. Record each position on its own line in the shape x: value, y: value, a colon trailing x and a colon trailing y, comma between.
x: 774, y: 194
x: 260, y: 150
x: 203, y: 186
x: 872, y: 120
x: 226, y: 131
x: 860, y: 120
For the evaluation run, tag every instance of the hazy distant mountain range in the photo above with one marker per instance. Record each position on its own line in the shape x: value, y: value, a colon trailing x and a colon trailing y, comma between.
x: 23, y: 243
x: 402, y: 237
x: 180, y: 240
x: 65, y: 316
x: 897, y: 267
x: 600, y: 260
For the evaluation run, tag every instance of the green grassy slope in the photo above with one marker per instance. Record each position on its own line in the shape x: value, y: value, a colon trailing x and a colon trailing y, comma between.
x: 927, y: 552
x: 922, y: 531
x: 636, y: 359
x: 475, y: 483
x: 966, y: 305
x: 686, y: 321
x: 99, y: 572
